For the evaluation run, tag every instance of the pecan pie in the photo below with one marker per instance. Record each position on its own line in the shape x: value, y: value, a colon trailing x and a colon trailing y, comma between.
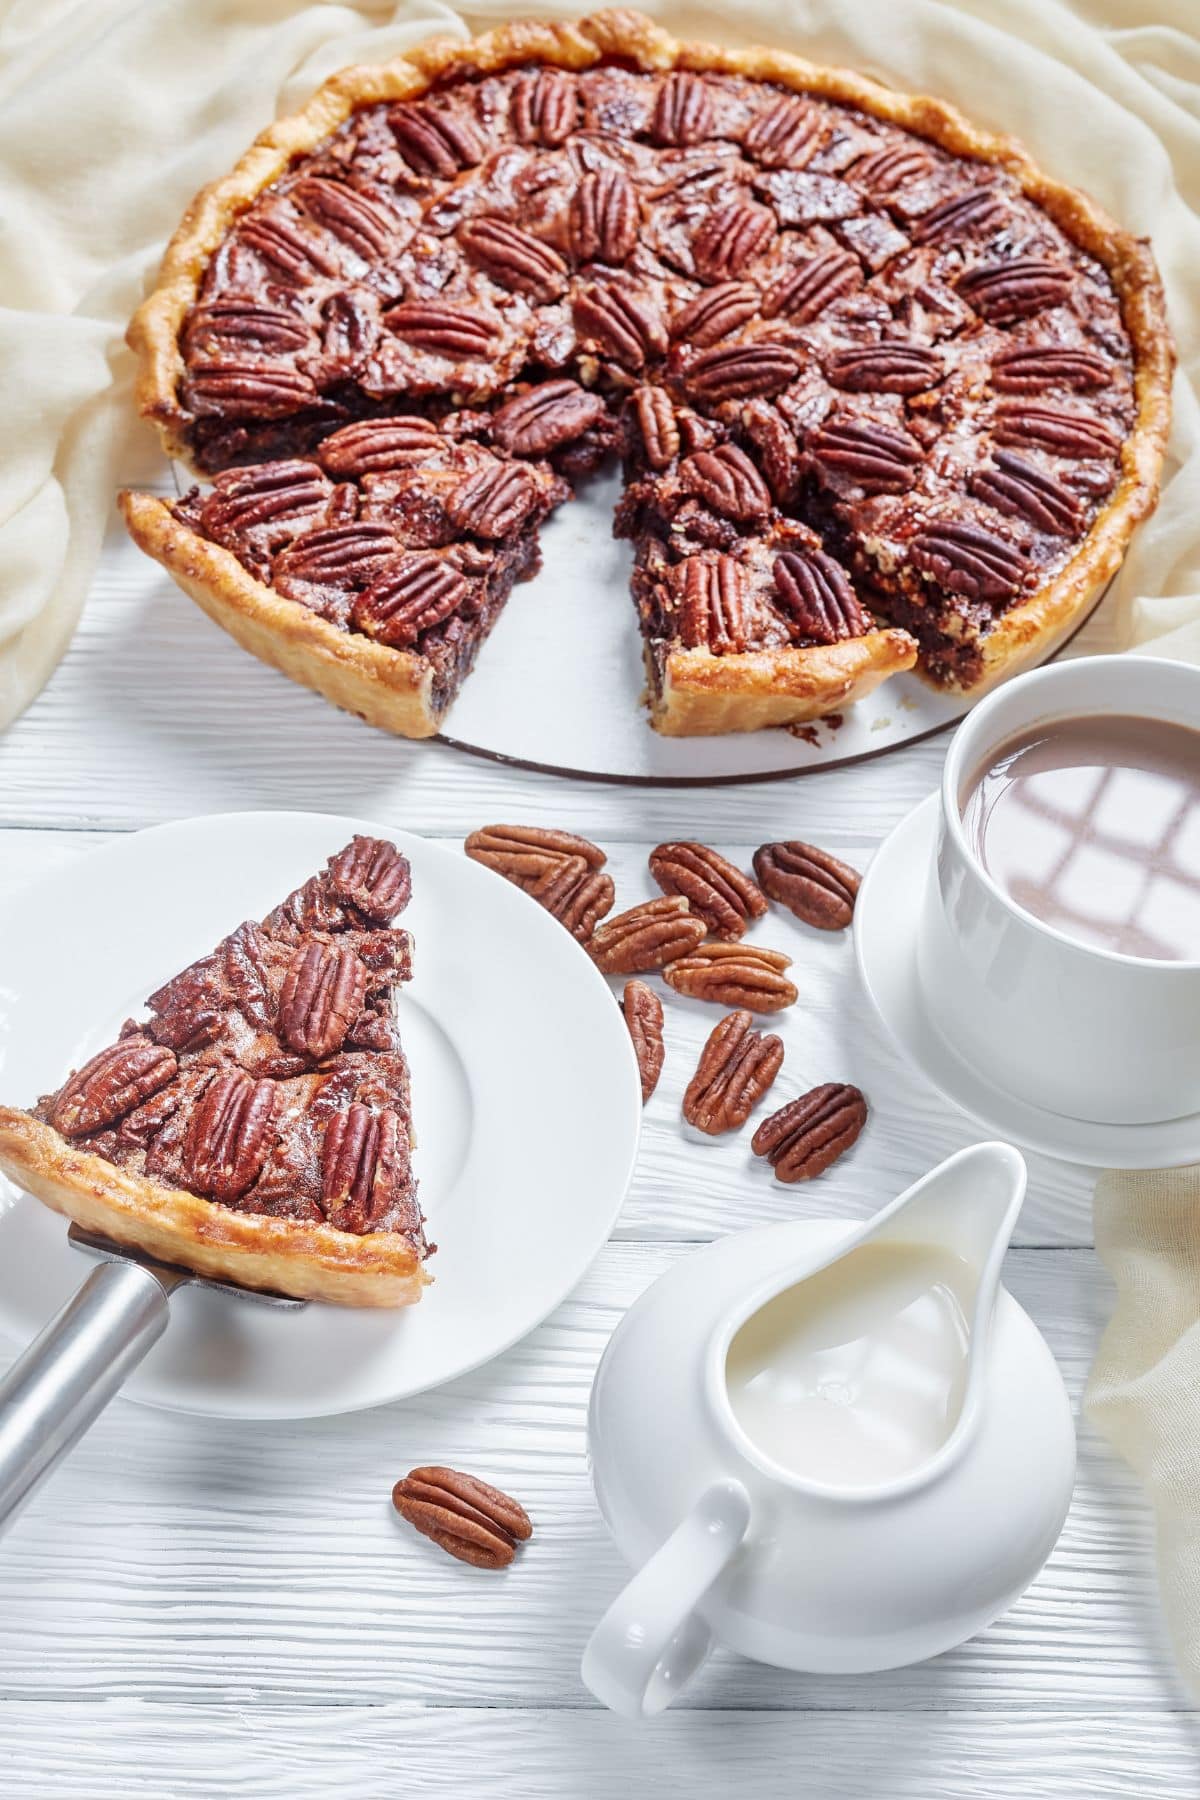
x: 256, y: 1126
x: 882, y: 390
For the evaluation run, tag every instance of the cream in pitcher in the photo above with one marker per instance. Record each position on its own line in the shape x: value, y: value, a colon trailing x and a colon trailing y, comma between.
x: 856, y: 1375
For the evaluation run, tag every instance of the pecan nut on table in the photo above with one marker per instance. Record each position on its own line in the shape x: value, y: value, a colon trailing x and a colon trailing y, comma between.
x: 464, y: 1516
x: 694, y: 937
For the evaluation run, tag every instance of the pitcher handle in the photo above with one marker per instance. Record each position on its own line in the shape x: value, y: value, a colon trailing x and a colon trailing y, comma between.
x: 651, y: 1640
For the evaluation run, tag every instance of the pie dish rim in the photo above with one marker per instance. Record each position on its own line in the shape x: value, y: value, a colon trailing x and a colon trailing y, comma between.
x: 358, y: 666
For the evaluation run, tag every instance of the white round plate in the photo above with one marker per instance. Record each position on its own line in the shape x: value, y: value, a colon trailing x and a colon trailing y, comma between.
x: 588, y: 718
x: 558, y: 684
x: 885, y: 941
x: 525, y: 1098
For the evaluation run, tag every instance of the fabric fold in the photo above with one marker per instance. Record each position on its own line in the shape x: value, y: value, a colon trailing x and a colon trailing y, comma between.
x: 1144, y: 1392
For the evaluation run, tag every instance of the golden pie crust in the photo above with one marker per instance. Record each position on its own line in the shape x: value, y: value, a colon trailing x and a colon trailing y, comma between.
x: 281, y: 1256
x: 701, y: 693
x: 391, y: 688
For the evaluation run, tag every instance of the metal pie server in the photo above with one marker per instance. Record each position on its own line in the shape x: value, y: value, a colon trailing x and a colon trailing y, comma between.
x: 71, y: 1371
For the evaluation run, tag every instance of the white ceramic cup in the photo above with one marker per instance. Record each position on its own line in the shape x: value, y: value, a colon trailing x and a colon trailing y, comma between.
x: 1074, y: 1028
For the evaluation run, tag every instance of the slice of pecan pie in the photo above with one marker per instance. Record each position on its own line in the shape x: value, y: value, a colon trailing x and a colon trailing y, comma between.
x: 507, y: 257
x: 256, y: 1126
x: 741, y: 609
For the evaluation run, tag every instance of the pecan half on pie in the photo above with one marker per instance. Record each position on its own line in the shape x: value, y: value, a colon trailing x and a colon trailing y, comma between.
x: 256, y: 1126
x: 883, y: 391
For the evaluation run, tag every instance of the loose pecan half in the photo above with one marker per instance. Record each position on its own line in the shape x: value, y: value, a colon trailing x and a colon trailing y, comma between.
x: 966, y: 559
x: 1063, y: 433
x: 804, y: 1137
x: 1034, y: 368
x: 433, y: 142
x: 725, y: 898
x: 1018, y: 488
x: 715, y: 313
x: 657, y: 426
x: 1005, y: 291
x: 322, y: 995
x: 809, y: 882
x: 473, y: 1521
x: 248, y: 390
x: 230, y: 1135
x: 683, y: 111
x: 876, y: 457
x: 545, y: 106
x: 646, y: 936
x: 810, y: 286
x: 644, y: 1017
x: 713, y: 604
x: 493, y: 501
x: 514, y: 258
x: 881, y: 171
x: 380, y: 446
x: 365, y: 1163
x: 783, y: 136
x: 577, y: 895
x: 546, y: 418
x: 736, y: 1068
x: 816, y: 592
x: 112, y: 1082
x: 373, y: 876
x: 628, y: 327
x: 742, y: 975
x: 524, y: 854
x: 889, y: 368
x: 441, y: 328
x: 728, y: 482
x: 730, y: 237
x: 602, y: 222
x: 347, y: 214
x: 410, y: 597
x: 975, y: 210
x: 738, y: 371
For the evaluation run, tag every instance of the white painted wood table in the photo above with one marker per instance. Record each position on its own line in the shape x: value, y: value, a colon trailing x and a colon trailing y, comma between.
x: 204, y: 1609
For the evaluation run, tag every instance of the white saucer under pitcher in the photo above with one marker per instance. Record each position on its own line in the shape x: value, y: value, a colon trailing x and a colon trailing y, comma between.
x: 816, y: 1574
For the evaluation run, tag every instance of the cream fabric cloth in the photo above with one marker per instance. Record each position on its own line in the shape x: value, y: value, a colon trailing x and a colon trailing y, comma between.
x: 113, y: 113
x: 1145, y: 1387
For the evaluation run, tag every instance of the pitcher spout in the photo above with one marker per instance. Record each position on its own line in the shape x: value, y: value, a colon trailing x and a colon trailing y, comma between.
x: 969, y: 1204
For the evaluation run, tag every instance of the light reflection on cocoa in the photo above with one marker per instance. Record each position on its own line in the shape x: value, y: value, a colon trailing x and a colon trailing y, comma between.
x: 1092, y: 824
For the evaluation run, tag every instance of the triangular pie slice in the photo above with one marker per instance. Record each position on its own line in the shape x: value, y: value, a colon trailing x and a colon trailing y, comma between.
x: 256, y: 1126
x: 746, y: 620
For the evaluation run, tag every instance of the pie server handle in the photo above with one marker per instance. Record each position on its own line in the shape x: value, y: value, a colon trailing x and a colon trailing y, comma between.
x: 71, y: 1371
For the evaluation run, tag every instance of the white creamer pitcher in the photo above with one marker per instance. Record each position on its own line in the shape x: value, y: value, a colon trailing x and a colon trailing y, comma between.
x: 831, y: 1447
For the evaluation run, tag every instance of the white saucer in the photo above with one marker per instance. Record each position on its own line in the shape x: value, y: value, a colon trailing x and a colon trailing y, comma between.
x: 885, y: 941
x: 525, y: 1096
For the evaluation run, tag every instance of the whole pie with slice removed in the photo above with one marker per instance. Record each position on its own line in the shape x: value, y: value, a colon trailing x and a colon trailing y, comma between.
x: 883, y: 392
x: 256, y: 1126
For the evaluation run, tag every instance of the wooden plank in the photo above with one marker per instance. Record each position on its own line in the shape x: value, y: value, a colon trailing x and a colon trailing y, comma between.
x: 77, y: 1751
x: 181, y: 1560
x: 689, y: 1186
